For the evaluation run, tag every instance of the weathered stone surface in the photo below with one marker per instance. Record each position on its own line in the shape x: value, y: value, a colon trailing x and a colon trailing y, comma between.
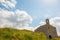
x: 47, y: 29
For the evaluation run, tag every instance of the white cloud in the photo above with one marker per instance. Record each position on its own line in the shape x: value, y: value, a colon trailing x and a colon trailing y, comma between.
x: 8, y: 3
x: 58, y: 33
x: 42, y: 23
x: 56, y: 22
x: 18, y: 19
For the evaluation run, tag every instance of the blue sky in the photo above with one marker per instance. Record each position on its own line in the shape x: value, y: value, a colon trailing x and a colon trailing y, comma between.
x: 39, y: 11
x: 29, y: 13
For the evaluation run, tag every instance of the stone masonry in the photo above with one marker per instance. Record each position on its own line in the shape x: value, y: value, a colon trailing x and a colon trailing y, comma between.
x: 47, y: 29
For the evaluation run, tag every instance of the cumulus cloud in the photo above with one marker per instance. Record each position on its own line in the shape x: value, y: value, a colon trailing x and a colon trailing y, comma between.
x: 58, y: 33
x: 8, y: 3
x: 42, y: 23
x: 56, y: 22
x: 18, y: 19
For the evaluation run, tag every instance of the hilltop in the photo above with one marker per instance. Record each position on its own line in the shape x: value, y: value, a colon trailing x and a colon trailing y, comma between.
x: 15, y: 34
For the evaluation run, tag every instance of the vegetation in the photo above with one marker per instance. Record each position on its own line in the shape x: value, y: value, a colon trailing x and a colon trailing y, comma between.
x: 14, y: 34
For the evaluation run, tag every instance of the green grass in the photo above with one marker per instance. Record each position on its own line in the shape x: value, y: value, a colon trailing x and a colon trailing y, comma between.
x: 14, y: 34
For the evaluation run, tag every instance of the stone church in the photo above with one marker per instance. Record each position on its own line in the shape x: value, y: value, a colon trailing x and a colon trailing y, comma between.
x: 48, y: 30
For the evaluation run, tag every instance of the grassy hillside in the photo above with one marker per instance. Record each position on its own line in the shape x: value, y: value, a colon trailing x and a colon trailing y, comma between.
x: 14, y: 34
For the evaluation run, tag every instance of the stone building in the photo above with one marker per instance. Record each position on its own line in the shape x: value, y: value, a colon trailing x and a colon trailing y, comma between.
x: 48, y: 30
